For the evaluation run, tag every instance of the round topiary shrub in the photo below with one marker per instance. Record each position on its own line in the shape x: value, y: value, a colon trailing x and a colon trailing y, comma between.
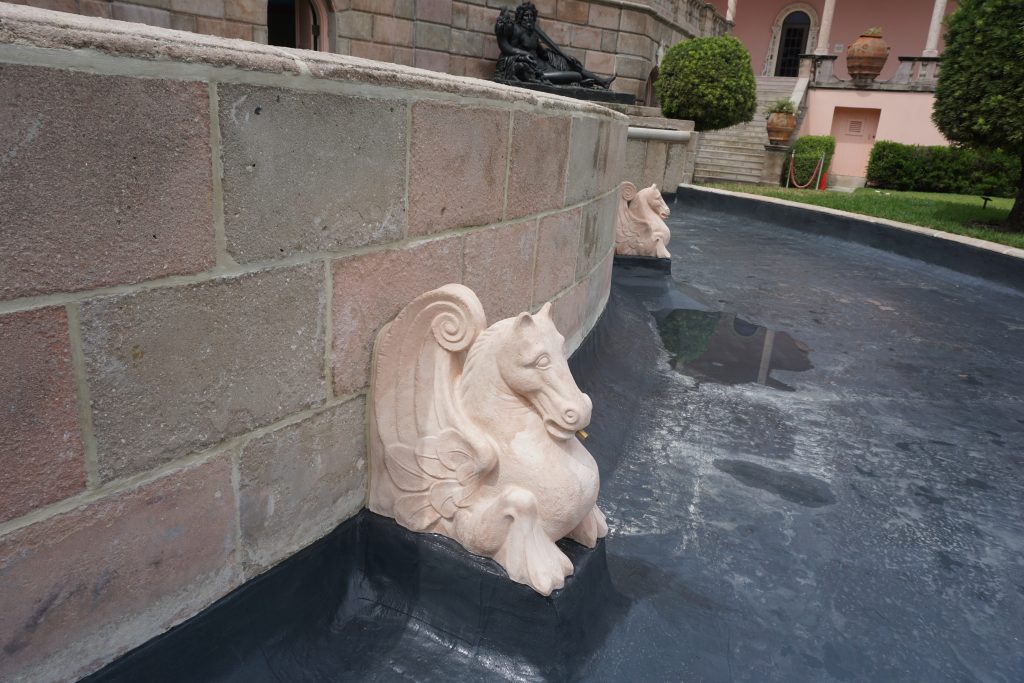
x: 707, y: 80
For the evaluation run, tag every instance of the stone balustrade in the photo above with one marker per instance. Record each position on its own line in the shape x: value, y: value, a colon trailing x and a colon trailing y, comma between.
x: 914, y: 74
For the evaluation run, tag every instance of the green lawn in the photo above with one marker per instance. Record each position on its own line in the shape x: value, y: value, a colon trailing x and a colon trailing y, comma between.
x: 956, y: 213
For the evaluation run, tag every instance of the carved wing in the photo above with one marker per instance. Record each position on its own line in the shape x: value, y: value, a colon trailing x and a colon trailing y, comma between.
x: 627, y: 235
x: 432, y: 454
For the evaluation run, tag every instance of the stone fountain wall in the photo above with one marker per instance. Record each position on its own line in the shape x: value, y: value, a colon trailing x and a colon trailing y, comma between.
x: 201, y: 240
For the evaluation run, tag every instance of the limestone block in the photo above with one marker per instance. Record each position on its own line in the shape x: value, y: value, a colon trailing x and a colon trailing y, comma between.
x: 172, y: 371
x: 654, y: 163
x: 499, y: 265
x: 558, y: 240
x: 473, y: 435
x: 433, y: 36
x: 597, y: 233
x: 540, y: 145
x: 675, y: 167
x: 371, y: 289
x: 391, y: 30
x: 299, y: 482
x: 251, y: 11
x: 123, y: 11
x: 465, y: 150
x: 436, y: 11
x: 141, y: 209
x: 568, y: 313
x: 605, y: 17
x: 41, y: 454
x: 614, y: 140
x: 640, y: 228
x: 106, y: 576
x: 209, y: 8
x: 575, y: 11
x: 307, y: 172
x: 636, y: 156
x: 432, y: 60
x: 585, y: 160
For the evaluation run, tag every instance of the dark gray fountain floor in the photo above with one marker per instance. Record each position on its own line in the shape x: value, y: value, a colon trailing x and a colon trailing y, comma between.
x: 867, y: 525
x: 812, y: 458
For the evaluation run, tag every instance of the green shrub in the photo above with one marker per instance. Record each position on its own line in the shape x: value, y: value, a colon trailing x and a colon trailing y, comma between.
x: 956, y: 170
x: 806, y: 152
x: 707, y: 80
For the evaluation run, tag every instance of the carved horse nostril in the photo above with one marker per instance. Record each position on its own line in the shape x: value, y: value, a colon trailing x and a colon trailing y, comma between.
x: 571, y: 416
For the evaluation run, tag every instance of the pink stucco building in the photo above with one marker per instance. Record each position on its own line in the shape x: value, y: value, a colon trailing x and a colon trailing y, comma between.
x: 897, y: 106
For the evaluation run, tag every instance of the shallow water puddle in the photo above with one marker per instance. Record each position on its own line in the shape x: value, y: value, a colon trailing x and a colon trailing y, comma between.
x: 723, y: 348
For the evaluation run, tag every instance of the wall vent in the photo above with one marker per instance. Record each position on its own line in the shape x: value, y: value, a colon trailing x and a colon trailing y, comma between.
x: 856, y: 128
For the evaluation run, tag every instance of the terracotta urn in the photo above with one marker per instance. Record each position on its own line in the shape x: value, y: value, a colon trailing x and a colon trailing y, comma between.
x: 780, y: 126
x: 866, y: 57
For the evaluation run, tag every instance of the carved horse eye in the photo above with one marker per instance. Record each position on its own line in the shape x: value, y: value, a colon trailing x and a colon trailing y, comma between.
x: 543, y: 362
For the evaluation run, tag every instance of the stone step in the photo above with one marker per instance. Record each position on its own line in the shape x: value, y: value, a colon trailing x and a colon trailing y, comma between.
x: 744, y: 152
x: 727, y: 168
x: 757, y: 143
x: 736, y: 155
x: 707, y: 179
x: 743, y: 129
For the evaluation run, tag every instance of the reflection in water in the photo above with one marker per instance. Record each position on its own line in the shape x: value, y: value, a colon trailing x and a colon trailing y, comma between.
x: 719, y: 347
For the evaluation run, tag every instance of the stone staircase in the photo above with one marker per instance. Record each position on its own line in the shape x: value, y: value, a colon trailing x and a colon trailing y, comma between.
x: 736, y: 154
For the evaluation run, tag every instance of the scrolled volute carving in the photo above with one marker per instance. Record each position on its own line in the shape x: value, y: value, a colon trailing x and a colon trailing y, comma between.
x: 473, y: 435
x: 640, y: 228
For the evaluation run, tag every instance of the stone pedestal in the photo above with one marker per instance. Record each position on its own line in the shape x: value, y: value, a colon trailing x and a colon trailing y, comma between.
x: 774, y: 160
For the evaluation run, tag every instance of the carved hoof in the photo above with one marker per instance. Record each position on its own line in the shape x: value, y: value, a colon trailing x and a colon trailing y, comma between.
x: 543, y: 568
x: 593, y: 527
x: 530, y: 557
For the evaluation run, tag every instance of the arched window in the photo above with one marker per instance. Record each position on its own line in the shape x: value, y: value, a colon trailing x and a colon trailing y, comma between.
x: 297, y: 23
x: 794, y: 32
x: 792, y: 44
x: 650, y: 95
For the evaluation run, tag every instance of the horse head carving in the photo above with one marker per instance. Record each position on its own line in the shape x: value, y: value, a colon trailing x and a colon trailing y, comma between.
x: 640, y: 228
x: 473, y: 435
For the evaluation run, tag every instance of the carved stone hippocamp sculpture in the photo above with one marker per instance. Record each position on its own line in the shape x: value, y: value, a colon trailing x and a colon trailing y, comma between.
x: 473, y: 435
x: 640, y: 228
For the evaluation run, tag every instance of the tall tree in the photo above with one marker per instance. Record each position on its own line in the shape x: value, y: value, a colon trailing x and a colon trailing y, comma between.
x: 980, y: 97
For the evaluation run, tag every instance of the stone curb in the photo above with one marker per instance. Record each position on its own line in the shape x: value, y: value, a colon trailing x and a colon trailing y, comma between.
x: 897, y: 225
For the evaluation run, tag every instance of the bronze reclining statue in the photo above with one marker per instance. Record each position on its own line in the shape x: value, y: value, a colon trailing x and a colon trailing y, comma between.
x: 529, y: 56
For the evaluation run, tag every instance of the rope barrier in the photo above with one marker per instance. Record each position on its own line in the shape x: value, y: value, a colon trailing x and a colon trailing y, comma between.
x: 792, y: 173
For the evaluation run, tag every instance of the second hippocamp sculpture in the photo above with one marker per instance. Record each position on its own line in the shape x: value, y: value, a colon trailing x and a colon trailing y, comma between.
x: 640, y: 228
x: 473, y: 435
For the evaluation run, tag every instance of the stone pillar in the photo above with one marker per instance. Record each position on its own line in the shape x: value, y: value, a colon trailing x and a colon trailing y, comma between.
x: 730, y: 12
x: 774, y: 158
x: 931, y: 46
x: 825, y: 31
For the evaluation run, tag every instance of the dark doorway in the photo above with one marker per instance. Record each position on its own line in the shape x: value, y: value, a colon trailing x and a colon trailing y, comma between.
x: 792, y: 44
x: 281, y: 23
x: 297, y: 23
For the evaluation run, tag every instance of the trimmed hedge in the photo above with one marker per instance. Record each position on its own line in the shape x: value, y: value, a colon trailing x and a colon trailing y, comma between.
x: 707, y: 80
x: 956, y: 170
x: 807, y: 150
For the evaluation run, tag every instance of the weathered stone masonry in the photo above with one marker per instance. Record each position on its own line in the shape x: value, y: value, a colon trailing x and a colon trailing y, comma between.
x: 622, y: 37
x: 201, y: 240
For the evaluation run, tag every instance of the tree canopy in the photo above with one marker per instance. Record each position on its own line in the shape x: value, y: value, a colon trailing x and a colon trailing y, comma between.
x: 979, y: 101
x: 707, y: 80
